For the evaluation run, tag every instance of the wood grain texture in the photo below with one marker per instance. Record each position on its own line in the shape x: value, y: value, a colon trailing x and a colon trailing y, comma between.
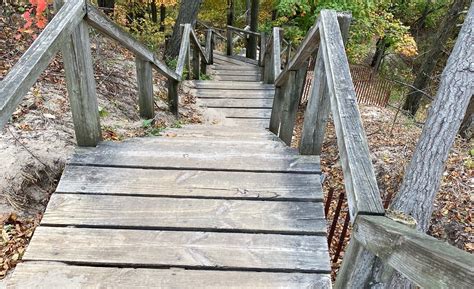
x: 103, y: 24
x: 362, y: 191
x: 242, y: 78
x: 236, y: 103
x: 45, y: 275
x: 232, y: 93
x: 229, y: 85
x: 173, y: 96
x: 183, y: 50
x: 81, y: 86
x: 180, y: 249
x: 145, y: 88
x: 275, y: 55
x: 243, y: 112
x: 190, y: 184
x: 35, y: 60
x: 191, y: 156
x: 291, y: 100
x: 235, y: 67
x: 429, y: 262
x: 317, y: 112
x: 186, y: 214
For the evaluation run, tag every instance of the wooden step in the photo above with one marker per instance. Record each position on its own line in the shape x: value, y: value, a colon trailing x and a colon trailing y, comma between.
x: 236, y: 103
x: 198, y: 250
x: 59, y: 275
x: 141, y: 156
x: 255, y: 113
x: 229, y: 85
x: 233, y: 93
x: 185, y: 214
x: 242, y: 78
x: 190, y: 184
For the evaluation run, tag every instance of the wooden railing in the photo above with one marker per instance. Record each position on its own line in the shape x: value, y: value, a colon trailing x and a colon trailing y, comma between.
x: 68, y: 31
x: 243, y: 33
x: 424, y: 260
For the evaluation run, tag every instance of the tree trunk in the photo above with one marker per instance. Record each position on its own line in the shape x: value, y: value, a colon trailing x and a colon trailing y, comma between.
x: 423, y: 175
x: 154, y: 11
x: 230, y: 21
x: 162, y: 17
x: 188, y: 12
x: 381, y: 46
x: 247, y: 14
x: 252, y: 42
x: 107, y: 6
x: 467, y: 126
x: 446, y: 29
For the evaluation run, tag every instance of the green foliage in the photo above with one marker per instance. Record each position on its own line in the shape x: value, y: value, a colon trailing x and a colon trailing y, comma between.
x: 103, y: 112
x: 147, y: 123
x: 203, y: 76
x: 148, y: 33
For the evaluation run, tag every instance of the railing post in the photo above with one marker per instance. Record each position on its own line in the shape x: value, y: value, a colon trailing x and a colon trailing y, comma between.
x: 195, y: 62
x: 317, y: 112
x: 290, y: 104
x: 263, y: 46
x: 81, y: 85
x: 188, y: 61
x: 145, y: 88
x: 317, y: 109
x: 230, y: 43
x: 173, y: 98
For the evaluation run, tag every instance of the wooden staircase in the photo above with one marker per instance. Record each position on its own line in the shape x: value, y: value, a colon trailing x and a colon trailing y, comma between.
x: 227, y: 205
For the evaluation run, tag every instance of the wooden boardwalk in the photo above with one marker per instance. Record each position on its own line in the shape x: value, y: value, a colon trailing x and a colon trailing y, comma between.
x: 203, y: 206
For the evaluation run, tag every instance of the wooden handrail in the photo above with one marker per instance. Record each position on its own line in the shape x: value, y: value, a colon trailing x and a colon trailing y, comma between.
x: 103, y: 24
x: 183, y: 49
x: 35, y: 60
x: 68, y: 31
x: 248, y: 32
x: 428, y: 262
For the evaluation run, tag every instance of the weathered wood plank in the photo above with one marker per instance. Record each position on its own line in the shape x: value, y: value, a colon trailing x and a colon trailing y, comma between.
x: 183, y: 50
x: 191, y: 184
x: 145, y: 88
x: 186, y: 214
x: 362, y: 191
x: 196, y: 62
x: 281, y: 93
x: 229, y: 85
x: 317, y: 112
x: 101, y: 23
x: 429, y: 262
x: 235, y: 67
x: 263, y: 48
x: 290, y: 104
x: 237, y: 72
x: 215, y: 158
x: 243, y: 124
x: 317, y: 109
x: 236, y: 103
x: 275, y: 55
x: 81, y: 86
x: 180, y: 249
x: 50, y: 274
x: 35, y: 60
x: 173, y: 96
x: 243, y: 112
x: 232, y: 93
x: 241, y: 78
x: 197, y: 43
